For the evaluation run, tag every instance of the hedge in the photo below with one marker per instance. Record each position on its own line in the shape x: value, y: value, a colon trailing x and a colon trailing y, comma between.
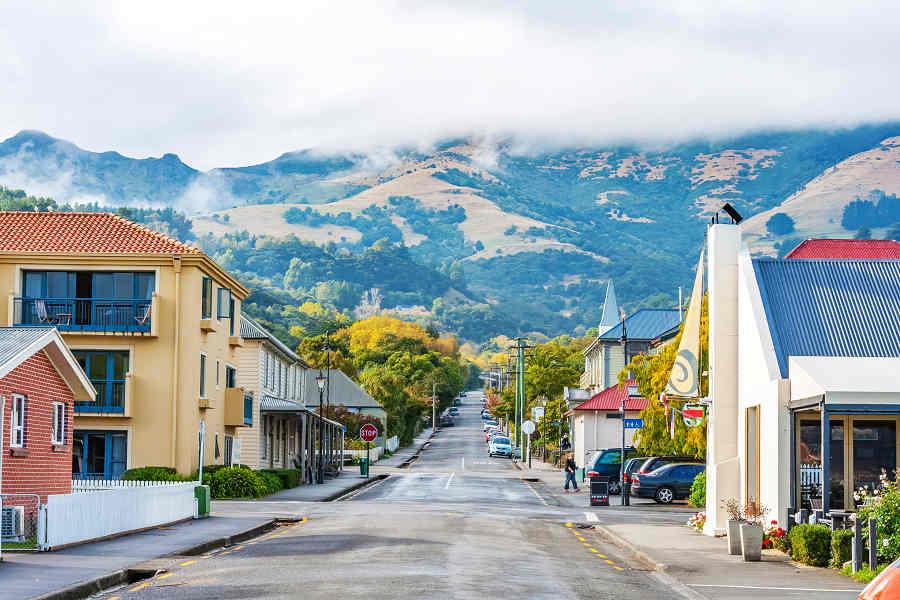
x: 698, y: 491
x: 290, y: 478
x: 841, y: 547
x: 152, y: 474
x: 811, y: 544
x: 273, y: 481
x: 237, y: 482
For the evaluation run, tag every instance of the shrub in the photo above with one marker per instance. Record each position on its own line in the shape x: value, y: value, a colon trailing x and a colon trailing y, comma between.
x: 698, y: 491
x: 841, y: 547
x: 290, y: 478
x: 883, y: 505
x: 273, y: 481
x: 152, y: 474
x: 811, y: 544
x: 236, y: 482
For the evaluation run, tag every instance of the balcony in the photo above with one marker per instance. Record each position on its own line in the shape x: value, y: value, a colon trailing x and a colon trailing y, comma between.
x: 88, y: 315
x: 238, y: 407
x: 113, y: 399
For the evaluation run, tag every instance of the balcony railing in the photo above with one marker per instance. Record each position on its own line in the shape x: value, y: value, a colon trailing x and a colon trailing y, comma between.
x: 107, y: 315
x: 110, y: 398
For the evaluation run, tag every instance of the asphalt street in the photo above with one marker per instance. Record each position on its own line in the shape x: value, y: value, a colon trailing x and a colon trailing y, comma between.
x: 454, y: 524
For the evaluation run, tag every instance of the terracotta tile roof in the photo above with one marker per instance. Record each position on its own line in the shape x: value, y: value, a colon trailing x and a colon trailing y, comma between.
x: 849, y: 249
x: 103, y: 233
x: 611, y: 399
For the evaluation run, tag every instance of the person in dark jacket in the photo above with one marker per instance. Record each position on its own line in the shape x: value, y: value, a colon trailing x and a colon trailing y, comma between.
x: 570, y: 473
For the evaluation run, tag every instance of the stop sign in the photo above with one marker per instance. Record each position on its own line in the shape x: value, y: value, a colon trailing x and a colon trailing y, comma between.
x: 368, y: 432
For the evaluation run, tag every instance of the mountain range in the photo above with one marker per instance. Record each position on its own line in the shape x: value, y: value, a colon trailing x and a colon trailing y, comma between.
x: 513, y: 239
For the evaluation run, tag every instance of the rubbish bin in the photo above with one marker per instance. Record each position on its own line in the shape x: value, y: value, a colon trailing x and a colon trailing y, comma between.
x: 363, y: 466
x: 599, y: 491
x: 201, y: 493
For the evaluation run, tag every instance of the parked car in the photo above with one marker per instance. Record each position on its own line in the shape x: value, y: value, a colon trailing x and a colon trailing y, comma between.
x: 668, y: 483
x: 632, y: 466
x: 500, y: 446
x: 655, y: 462
x: 487, y: 424
x: 447, y: 421
x: 454, y: 412
x: 607, y: 462
x: 486, y: 416
x: 492, y: 432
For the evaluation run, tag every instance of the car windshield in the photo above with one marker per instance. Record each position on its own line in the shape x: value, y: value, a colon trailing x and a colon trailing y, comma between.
x: 610, y: 457
x: 501, y: 441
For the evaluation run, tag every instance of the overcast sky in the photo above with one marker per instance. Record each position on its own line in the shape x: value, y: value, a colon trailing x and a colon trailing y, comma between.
x: 225, y: 84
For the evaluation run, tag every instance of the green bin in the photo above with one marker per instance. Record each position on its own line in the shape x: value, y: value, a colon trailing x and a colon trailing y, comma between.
x: 201, y: 493
x: 363, y: 466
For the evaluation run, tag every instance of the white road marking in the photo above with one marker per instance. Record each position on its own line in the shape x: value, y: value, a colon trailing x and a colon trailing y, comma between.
x: 591, y: 517
x: 534, y: 491
x: 463, y: 463
x: 449, y: 479
x: 782, y: 589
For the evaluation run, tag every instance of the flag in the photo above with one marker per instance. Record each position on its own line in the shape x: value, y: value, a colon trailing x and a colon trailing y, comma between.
x: 684, y: 381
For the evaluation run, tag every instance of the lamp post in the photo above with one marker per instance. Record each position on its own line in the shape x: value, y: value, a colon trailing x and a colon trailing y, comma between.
x: 321, y: 380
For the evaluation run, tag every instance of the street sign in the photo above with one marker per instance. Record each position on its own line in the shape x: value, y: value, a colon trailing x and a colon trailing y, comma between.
x: 634, y: 423
x: 527, y: 427
x: 692, y: 414
x: 537, y: 413
x: 368, y: 432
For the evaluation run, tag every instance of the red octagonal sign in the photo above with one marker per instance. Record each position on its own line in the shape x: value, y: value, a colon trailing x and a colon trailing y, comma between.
x: 368, y: 432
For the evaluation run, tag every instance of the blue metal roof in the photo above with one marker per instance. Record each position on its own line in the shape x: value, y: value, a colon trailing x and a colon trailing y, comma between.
x: 831, y: 307
x: 645, y: 324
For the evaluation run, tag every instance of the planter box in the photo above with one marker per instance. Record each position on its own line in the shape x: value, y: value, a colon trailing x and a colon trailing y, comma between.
x: 734, y: 537
x: 751, y: 542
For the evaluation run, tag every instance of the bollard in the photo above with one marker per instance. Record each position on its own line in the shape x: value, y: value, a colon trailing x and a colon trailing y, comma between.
x: 873, y: 546
x: 857, y: 547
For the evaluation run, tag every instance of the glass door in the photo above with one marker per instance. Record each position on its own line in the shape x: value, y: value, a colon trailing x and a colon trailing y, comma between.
x: 874, y: 450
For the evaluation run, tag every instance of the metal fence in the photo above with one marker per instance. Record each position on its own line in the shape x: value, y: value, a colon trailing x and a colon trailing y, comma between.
x: 21, y: 522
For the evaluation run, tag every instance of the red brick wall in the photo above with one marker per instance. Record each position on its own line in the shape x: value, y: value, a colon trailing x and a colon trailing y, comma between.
x: 44, y: 470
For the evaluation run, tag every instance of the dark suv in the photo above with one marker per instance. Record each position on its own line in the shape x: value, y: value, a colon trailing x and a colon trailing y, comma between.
x: 608, y: 463
x: 655, y: 462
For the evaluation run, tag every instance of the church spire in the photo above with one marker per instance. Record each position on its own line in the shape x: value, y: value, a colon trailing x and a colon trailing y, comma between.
x: 610, y: 315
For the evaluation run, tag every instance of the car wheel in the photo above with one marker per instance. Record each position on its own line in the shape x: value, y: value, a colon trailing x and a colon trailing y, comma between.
x: 615, y: 488
x: 664, y: 495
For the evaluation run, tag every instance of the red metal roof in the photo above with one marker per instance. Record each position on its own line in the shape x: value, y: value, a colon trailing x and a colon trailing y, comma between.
x: 74, y: 232
x: 850, y: 249
x: 611, y: 399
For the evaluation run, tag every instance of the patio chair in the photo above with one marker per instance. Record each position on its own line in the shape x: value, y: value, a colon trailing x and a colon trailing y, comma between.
x: 44, y: 315
x: 145, y: 318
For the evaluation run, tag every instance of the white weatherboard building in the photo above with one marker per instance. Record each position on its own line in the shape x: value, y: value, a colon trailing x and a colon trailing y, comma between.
x: 804, y: 378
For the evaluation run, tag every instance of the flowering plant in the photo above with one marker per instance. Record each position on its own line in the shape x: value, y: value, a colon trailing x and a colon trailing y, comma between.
x: 774, y: 536
x: 697, y: 521
x: 883, y: 505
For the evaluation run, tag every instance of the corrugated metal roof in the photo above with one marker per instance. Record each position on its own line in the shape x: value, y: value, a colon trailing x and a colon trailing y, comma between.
x: 274, y: 404
x: 645, y: 324
x: 251, y: 330
x: 15, y: 339
x: 611, y: 399
x: 831, y: 307
x: 849, y: 249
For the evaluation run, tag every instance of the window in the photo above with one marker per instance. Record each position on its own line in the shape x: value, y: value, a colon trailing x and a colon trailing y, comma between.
x: 229, y: 450
x: 218, y: 367
x: 99, y: 454
x: 107, y: 370
x: 203, y: 376
x: 230, y: 377
x: 206, y: 299
x: 231, y: 315
x: 264, y: 437
x: 59, y: 424
x: 265, y: 369
x: 17, y: 422
x: 223, y: 310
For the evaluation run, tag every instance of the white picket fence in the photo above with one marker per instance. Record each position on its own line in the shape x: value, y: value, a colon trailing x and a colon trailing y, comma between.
x: 392, y: 444
x: 374, y: 453
x: 113, y: 509
x: 92, y: 485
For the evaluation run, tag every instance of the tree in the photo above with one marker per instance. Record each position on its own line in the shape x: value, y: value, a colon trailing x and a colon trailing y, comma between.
x: 893, y: 232
x: 864, y: 233
x: 780, y: 224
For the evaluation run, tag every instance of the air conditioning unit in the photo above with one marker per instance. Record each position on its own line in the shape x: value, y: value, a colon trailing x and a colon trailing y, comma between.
x: 12, y: 524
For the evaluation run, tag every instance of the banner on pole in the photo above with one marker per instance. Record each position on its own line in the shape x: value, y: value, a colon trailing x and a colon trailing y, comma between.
x: 684, y: 381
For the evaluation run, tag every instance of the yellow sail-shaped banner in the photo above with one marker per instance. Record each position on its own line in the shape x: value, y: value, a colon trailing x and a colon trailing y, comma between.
x: 684, y: 381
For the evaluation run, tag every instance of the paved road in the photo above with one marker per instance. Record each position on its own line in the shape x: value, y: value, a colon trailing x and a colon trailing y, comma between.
x: 455, y: 524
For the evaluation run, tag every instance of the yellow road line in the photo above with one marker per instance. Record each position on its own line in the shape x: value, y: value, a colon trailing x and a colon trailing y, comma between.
x: 595, y: 551
x: 569, y: 524
x: 609, y: 562
x: 139, y: 587
x: 164, y: 575
x: 236, y: 548
x: 187, y: 563
x: 618, y: 568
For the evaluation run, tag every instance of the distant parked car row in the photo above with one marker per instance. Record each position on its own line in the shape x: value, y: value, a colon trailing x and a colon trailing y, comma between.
x: 663, y: 478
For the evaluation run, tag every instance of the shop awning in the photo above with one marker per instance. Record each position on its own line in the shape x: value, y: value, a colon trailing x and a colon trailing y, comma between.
x: 863, y: 384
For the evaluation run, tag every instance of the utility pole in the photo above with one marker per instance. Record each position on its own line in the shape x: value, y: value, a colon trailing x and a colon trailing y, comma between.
x: 521, y: 345
x: 623, y: 494
x: 434, y: 422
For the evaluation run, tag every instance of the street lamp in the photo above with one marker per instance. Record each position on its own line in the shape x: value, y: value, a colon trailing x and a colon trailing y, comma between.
x: 321, y: 380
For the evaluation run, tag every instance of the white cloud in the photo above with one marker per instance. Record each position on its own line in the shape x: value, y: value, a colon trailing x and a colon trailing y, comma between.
x: 221, y: 85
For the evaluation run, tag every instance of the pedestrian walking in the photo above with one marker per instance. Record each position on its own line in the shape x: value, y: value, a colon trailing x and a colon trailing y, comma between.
x: 570, y: 473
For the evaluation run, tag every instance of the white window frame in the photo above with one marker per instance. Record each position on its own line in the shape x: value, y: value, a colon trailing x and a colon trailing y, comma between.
x: 58, y: 433
x: 204, y: 366
x: 17, y: 422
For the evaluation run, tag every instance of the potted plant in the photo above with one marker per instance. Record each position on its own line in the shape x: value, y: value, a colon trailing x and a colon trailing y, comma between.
x: 733, y: 508
x: 752, y: 531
